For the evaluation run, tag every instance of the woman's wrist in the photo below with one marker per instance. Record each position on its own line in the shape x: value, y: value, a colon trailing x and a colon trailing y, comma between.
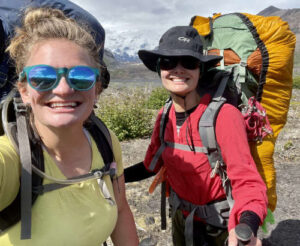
x: 252, y: 220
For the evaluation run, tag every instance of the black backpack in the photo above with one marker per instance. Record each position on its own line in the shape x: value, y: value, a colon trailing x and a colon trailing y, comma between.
x: 14, y: 123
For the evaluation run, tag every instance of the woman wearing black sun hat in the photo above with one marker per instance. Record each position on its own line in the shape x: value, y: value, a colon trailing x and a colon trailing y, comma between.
x: 195, y: 195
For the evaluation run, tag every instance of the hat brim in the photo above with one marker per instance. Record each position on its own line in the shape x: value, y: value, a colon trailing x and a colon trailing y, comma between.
x: 150, y: 57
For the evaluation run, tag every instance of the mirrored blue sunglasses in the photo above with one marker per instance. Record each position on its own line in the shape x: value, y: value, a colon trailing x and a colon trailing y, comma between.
x: 45, y: 77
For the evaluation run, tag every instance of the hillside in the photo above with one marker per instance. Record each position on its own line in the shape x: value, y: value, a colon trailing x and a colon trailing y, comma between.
x: 292, y: 16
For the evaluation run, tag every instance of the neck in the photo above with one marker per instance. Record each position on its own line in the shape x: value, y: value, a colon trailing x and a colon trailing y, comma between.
x: 182, y: 104
x: 62, y: 142
x: 68, y: 147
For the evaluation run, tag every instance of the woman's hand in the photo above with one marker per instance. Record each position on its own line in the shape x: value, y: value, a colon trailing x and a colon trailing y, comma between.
x: 233, y: 240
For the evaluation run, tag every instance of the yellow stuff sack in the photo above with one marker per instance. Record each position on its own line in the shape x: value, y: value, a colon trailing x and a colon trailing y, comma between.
x: 263, y: 49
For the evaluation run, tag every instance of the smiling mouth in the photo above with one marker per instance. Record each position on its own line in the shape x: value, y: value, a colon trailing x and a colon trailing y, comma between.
x: 179, y: 80
x: 59, y: 105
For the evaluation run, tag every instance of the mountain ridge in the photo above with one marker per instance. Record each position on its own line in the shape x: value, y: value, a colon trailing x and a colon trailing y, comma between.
x: 124, y: 66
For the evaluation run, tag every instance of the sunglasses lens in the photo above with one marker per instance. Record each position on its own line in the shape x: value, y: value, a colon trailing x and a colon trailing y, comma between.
x: 82, y: 78
x: 42, y: 77
x: 168, y: 63
x: 186, y: 62
x: 189, y: 62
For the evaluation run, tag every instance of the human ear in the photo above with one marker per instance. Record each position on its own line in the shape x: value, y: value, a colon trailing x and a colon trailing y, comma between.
x: 98, y: 89
x: 23, y: 90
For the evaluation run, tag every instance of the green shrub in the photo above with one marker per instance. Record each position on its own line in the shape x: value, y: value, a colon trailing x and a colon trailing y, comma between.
x: 157, y: 98
x: 288, y: 145
x: 296, y: 82
x: 126, y: 115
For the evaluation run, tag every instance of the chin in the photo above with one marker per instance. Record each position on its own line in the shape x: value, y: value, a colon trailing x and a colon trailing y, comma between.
x: 64, y: 122
x: 180, y: 92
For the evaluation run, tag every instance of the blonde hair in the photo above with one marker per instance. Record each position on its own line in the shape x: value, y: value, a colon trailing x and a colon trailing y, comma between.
x: 41, y: 24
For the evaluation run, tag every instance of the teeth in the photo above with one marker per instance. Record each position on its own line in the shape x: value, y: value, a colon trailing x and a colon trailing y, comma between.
x: 60, y: 105
x: 179, y: 80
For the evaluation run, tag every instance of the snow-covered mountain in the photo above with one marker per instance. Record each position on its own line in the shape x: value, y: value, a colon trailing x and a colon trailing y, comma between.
x: 124, y: 44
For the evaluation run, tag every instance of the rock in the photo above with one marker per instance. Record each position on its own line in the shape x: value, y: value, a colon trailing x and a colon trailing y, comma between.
x: 150, y: 220
x: 148, y: 242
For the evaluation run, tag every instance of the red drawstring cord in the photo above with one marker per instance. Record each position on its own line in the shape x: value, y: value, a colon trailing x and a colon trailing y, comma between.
x: 257, y: 122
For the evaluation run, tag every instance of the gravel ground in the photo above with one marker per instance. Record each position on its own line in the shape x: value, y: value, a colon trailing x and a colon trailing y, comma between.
x: 285, y: 231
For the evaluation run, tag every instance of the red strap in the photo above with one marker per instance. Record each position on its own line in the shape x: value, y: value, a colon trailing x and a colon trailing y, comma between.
x: 256, y: 119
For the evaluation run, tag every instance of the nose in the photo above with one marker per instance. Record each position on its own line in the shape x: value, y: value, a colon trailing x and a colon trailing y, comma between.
x: 179, y: 68
x: 63, y: 87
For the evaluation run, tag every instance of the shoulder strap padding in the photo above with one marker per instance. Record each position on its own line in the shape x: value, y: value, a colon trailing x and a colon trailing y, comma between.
x: 207, y: 121
x: 12, y: 214
x: 207, y: 133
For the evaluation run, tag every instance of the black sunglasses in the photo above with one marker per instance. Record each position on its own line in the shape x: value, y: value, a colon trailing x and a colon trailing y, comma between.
x: 187, y: 62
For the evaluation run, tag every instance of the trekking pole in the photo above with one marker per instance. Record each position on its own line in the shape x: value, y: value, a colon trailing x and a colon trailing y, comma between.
x: 243, y: 233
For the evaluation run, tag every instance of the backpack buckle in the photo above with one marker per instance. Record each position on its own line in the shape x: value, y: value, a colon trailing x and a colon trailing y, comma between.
x: 243, y: 64
x: 19, y: 106
x: 39, y: 190
x: 112, y: 169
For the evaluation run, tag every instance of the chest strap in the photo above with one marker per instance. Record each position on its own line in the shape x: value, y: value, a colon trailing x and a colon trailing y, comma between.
x: 186, y: 147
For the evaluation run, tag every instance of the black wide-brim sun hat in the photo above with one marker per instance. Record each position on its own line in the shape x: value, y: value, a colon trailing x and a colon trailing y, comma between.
x: 178, y: 41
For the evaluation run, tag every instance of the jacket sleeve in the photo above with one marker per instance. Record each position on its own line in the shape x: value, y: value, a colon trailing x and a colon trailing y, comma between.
x: 248, y: 188
x: 154, y: 145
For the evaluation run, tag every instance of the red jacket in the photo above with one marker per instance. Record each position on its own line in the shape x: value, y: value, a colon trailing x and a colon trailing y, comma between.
x: 188, y: 173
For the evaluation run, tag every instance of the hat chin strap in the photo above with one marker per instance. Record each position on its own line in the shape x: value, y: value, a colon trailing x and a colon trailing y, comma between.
x: 188, y: 135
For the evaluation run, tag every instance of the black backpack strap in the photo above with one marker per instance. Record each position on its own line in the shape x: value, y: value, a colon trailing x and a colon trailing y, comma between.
x: 102, y: 137
x: 163, y: 123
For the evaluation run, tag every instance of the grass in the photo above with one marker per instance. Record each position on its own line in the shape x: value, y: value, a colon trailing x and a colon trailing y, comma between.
x: 296, y: 82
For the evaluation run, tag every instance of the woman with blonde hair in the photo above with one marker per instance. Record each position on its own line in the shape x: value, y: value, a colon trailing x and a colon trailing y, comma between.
x: 59, y: 69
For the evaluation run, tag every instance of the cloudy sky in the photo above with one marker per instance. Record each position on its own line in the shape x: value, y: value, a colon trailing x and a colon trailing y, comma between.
x: 149, y: 19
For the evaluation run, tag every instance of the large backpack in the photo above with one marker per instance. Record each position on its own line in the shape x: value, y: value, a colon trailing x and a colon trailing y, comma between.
x: 255, y: 76
x: 261, y: 49
x: 15, y: 125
